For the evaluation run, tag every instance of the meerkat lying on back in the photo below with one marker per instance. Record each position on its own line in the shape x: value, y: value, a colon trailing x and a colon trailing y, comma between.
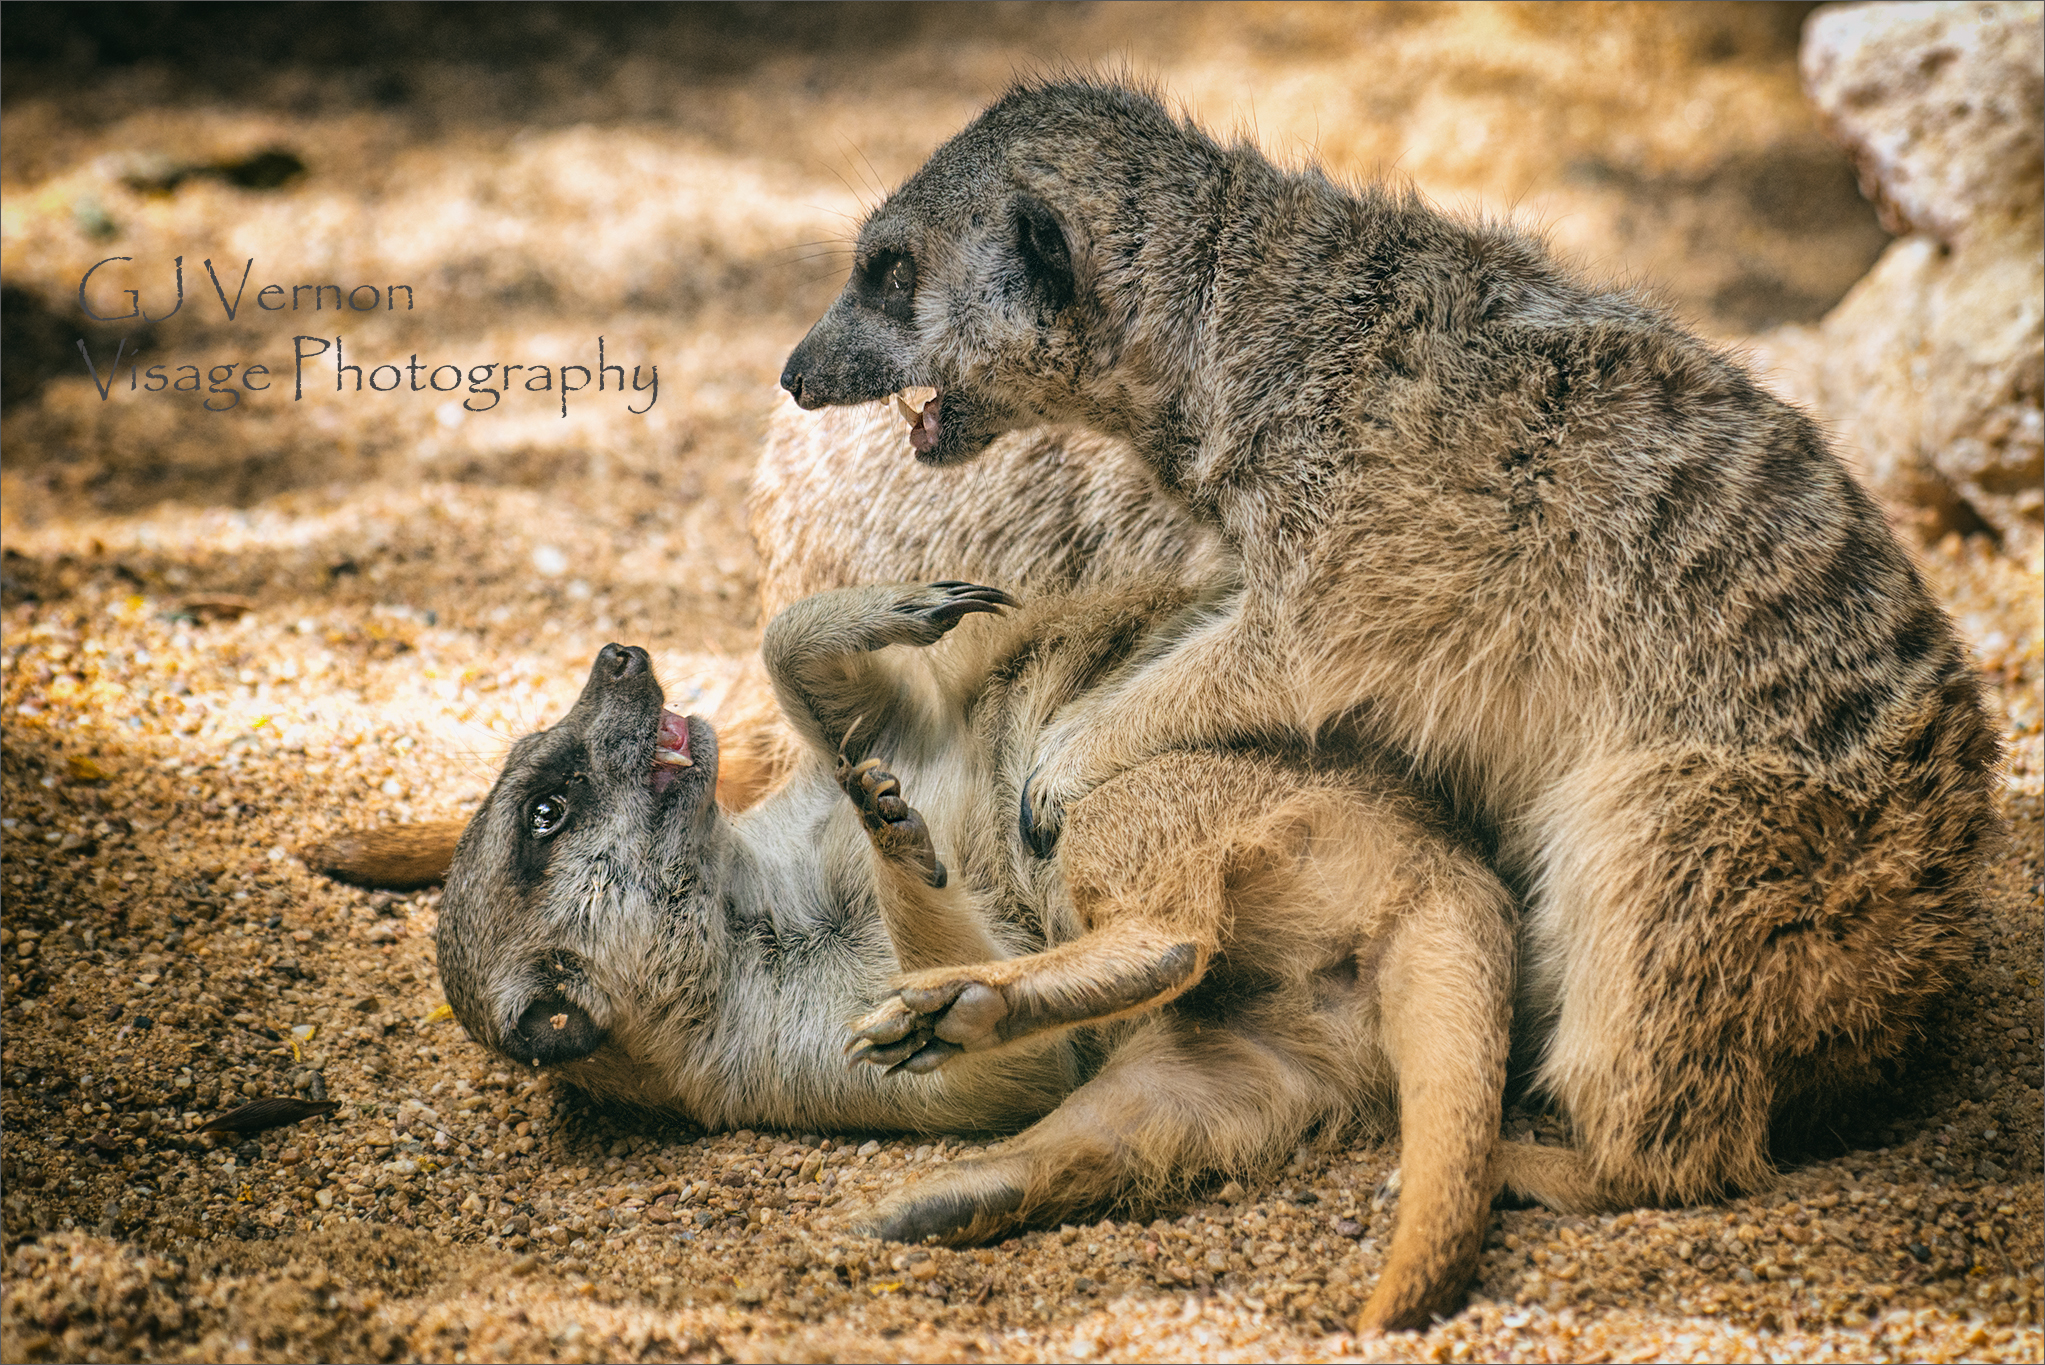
x: 1568, y: 560
x: 1255, y: 943
x: 1044, y: 512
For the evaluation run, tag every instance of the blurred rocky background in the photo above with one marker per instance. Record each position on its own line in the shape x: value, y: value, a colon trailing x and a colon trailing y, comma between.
x: 1930, y: 370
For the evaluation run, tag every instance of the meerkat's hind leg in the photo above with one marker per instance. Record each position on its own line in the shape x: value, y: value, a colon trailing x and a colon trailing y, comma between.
x: 892, y: 825
x: 1560, y: 1179
x: 973, y: 1201
x: 1179, y: 1101
x: 1128, y: 966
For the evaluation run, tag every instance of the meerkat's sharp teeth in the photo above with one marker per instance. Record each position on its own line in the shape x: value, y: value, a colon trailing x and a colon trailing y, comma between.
x: 669, y: 758
x: 902, y: 406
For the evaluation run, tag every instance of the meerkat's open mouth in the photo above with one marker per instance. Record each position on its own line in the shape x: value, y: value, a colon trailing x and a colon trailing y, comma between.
x: 923, y: 406
x: 670, y: 751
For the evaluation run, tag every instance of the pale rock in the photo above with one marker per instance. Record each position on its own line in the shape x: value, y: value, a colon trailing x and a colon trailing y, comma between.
x: 1931, y: 370
x: 1939, y: 106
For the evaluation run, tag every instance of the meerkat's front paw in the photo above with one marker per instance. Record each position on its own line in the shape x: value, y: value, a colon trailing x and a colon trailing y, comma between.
x: 896, y: 831
x: 931, y: 1018
x: 1041, y: 818
x: 924, y: 615
x: 1056, y: 785
x: 1083, y: 749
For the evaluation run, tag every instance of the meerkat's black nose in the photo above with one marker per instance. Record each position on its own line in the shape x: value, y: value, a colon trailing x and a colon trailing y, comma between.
x: 619, y: 662
x: 791, y: 380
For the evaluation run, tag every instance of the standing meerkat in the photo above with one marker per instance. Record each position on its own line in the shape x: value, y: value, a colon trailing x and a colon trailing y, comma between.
x: 1571, y: 562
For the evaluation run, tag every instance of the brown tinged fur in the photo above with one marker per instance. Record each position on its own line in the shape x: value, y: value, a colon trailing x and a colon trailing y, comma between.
x: 1570, y: 562
x: 1312, y: 938
x: 394, y: 857
x: 1256, y: 943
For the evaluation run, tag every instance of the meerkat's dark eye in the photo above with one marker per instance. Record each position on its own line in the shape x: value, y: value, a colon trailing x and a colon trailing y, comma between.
x: 894, y: 278
x: 549, y: 814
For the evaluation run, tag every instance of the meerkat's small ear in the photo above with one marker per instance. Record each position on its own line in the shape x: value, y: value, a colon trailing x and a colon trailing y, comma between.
x: 1040, y: 241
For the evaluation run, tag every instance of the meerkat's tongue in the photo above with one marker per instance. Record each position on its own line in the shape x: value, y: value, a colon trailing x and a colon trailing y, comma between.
x: 670, y: 750
x: 924, y: 415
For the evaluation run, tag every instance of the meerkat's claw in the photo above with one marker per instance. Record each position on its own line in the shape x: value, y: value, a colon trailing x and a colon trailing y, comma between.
x: 1387, y: 1193
x: 944, y: 604
x: 1037, y: 820
x: 889, y: 1055
x: 924, y: 1027
x: 927, y: 1058
x: 968, y: 1013
x: 891, y: 1022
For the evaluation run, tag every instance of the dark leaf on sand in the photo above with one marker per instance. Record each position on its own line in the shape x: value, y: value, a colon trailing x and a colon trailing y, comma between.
x: 274, y: 1113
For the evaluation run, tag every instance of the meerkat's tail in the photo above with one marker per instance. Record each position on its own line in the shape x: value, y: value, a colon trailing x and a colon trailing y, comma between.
x: 395, y: 858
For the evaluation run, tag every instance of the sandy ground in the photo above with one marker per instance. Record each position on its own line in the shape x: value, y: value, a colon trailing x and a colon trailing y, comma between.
x: 228, y: 633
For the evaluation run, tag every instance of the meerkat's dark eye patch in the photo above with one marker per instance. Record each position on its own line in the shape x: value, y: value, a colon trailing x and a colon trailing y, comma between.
x: 890, y: 279
x: 543, y: 802
x: 1046, y: 258
x: 550, y: 813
